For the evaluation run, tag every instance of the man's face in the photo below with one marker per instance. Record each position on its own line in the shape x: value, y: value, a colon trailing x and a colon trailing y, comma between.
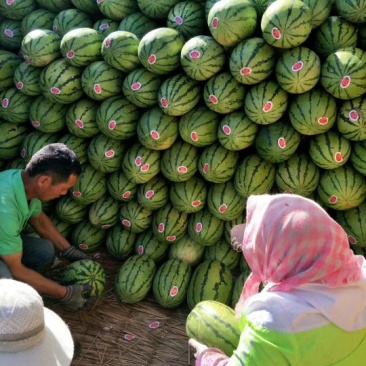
x: 48, y: 191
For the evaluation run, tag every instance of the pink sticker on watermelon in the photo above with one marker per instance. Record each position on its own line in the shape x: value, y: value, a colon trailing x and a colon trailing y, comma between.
x: 79, y: 123
x: 106, y: 226
x: 223, y: 208
x: 9, y: 33
x: 333, y: 199
x: 19, y: 85
x: 83, y: 246
x: 215, y: 23
x: 297, y: 66
x: 154, y: 135
x: 126, y: 222
x: 194, y: 54
x: 138, y: 161
x: 104, y: 26
x: 112, y: 125
x: 178, y: 20
x: 9, y: 2
x: 107, y: 42
x: 171, y: 238
x: 55, y: 29
x: 36, y: 123
x: 226, y: 130
x: 70, y: 54
x: 161, y: 227
x: 126, y: 194
x: 354, y: 115
x: 345, y: 82
x: 338, y: 157
x: 140, y: 249
x: 352, y: 240
x: 267, y: 107
x: 323, y: 120
x: 154, y: 325
x: 281, y: 143
x: 136, y: 86
x: 182, y: 169
x: 213, y: 99
x: 98, y: 88
x: 276, y: 33
x: 27, y: 59
x: 164, y: 102
x: 145, y: 167
x: 109, y: 153
x: 151, y: 59
x: 55, y: 91
x: 128, y: 337
x: 150, y: 194
x: 194, y: 136
x: 245, y: 71
x: 100, y: 1
x: 76, y: 193
x: 23, y: 153
x: 173, y: 291
x: 196, y: 203
x: 288, y: 191
x: 205, y: 168
x: 5, y: 103
x: 199, y: 227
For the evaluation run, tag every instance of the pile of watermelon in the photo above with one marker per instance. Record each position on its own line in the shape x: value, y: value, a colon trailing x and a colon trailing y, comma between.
x: 178, y: 111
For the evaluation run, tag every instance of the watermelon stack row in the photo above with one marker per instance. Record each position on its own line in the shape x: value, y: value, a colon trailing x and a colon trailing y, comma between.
x: 179, y: 111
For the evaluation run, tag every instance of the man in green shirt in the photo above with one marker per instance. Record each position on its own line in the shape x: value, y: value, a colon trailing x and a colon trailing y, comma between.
x: 49, y: 174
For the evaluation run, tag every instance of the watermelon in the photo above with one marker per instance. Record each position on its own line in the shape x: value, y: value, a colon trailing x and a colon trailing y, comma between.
x: 68, y: 210
x: 320, y: 10
x: 81, y: 117
x: 168, y: 224
x: 55, y: 5
x: 238, y: 288
x: 17, y: 163
x: 40, y: 47
x: 313, y: 112
x: 228, y: 225
x: 103, y: 213
x: 81, y: 46
x: 137, y: 23
x: 224, y: 253
x: 158, y: 9
x: 188, y: 18
x: 342, y: 188
x: 106, y: 26
x: 237, y: 131
x: 286, y: 24
x: 223, y: 94
x: 120, y: 242
x: 254, y: 175
x: 188, y: 196
x: 117, y: 10
x: 47, y: 116
x: 148, y: 244
x: 153, y: 194
x: 8, y: 64
x: 231, y: 21
x: 119, y: 50
x: 10, y: 34
x: 134, y: 279
x: 159, y: 50
x: 186, y: 250
x: 171, y: 282
x: 87, y: 6
x: 260, y: 5
x: 211, y: 280
x: 298, y: 175
x: 141, y: 87
x: 120, y: 187
x: 342, y: 73
x: 353, y: 10
x: 105, y: 154
x: 329, y: 150
x: 85, y: 272
x: 277, y: 142
x: 78, y: 145
x: 141, y: 163
x: 87, y: 237
x: 361, y: 36
x: 157, y: 130
x: 214, y: 324
x: 26, y: 79
x: 117, y: 118
x: 69, y: 19
x: 357, y: 157
x: 37, y: 19
x: 65, y: 228
x: 61, y: 82
x: 100, y: 81
x: 205, y: 228
x: 134, y: 217
x: 17, y: 9
x: 11, y: 139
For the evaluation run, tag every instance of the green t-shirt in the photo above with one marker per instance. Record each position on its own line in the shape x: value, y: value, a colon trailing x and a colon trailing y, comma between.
x: 15, y: 211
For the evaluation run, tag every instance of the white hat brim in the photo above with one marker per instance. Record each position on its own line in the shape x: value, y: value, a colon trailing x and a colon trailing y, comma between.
x: 56, y: 348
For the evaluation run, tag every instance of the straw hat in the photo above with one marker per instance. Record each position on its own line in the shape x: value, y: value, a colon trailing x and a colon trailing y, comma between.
x: 31, y: 334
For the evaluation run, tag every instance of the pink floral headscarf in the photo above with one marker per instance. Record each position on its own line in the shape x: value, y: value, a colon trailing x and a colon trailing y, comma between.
x: 290, y: 240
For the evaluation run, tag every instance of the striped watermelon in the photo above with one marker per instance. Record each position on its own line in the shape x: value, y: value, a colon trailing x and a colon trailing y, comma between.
x: 87, y: 6
x: 153, y: 194
x: 352, y: 10
x: 117, y: 10
x: 119, y: 50
x: 120, y: 242
x: 8, y: 64
x: 169, y: 224
x: 357, y: 157
x: 137, y: 23
x: 117, y: 118
x: 81, y: 117
x: 17, y: 9
x: 231, y: 21
x: 11, y: 35
x: 134, y: 217
x: 68, y: 210
x: 223, y: 94
x: 85, y: 272
x: 252, y: 61
x: 103, y: 213
x: 179, y: 162
x: 199, y: 126
x: 188, y: 196
x: 134, y: 279
x: 298, y: 175
x: 78, y: 145
x: 320, y: 10
x: 266, y: 102
x: 159, y: 50
x: 141, y: 87
x: 342, y: 73
x: 171, y: 282
x: 81, y: 46
x: 215, y: 325
x: 211, y: 280
x: 188, y: 18
x: 217, y: 164
x: 342, y: 188
x: 186, y: 250
x: 228, y: 225
x: 40, y: 47
x: 224, y: 253
x: 277, y: 142
x: 286, y: 24
x: 87, y: 237
x: 260, y: 5
x: 141, y: 163
x: 65, y: 228
x: 238, y: 288
x: 14, y: 105
x: 329, y: 150
x: 69, y: 19
x: 26, y: 79
x: 55, y: 5
x: 11, y: 139
x: 61, y: 82
x: 158, y: 9
x: 105, y: 154
x: 47, y: 116
x: 178, y: 95
x: 106, y: 26
x: 237, y: 131
x: 254, y: 175
x: 120, y: 187
x: 204, y: 227
x: 313, y: 112
x: 157, y: 130
x: 148, y: 244
x: 333, y: 34
x: 100, y: 81
x: 202, y: 57
x: 90, y: 186
x: 37, y: 19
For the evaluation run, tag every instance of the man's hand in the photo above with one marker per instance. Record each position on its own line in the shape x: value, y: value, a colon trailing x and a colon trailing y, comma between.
x: 199, y: 347
x: 76, y: 296
x: 72, y: 254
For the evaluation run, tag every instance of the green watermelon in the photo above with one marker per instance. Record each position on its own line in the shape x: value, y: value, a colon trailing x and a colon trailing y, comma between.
x: 17, y: 9
x: 37, y: 19
x: 186, y: 250
x: 120, y: 187
x: 103, y: 213
x: 224, y: 253
x: 137, y: 23
x: 134, y: 217
x: 120, y: 242
x: 55, y: 5
x: 69, y: 19
x: 238, y: 288
x: 320, y: 10
x: 68, y: 210
x: 87, y: 237
x: 228, y: 225
x: 352, y: 10
x: 8, y: 64
x: 65, y: 228
x: 153, y: 194
x: 117, y: 10
x: 10, y: 34
x: 106, y: 26
x: 26, y: 79
x: 11, y: 139
x: 87, y: 6
x: 158, y: 9
x: 78, y: 145
x: 357, y: 157
x: 260, y: 5
x: 148, y: 244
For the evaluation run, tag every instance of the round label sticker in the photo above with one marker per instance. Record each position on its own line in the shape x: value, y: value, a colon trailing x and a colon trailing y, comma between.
x: 19, y: 85
x: 9, y: 33
x: 199, y: 227
x: 151, y: 59
x: 136, y: 86
x: 354, y: 115
x: 267, y: 106
x: 5, y: 103
x: 138, y: 161
x: 150, y: 194
x: 109, y: 154
x: 352, y: 240
x: 126, y: 222
x: 112, y: 125
x: 276, y: 33
x: 107, y: 42
x: 27, y: 59
x: 205, y: 168
x: 70, y: 54
x: 194, y: 136
x: 178, y: 20
x: 338, y: 157
x: 55, y: 91
x: 10, y: 2
x: 196, y: 203
x: 194, y: 54
x: 126, y: 194
x: 161, y: 227
x: 79, y: 123
x: 164, y: 102
x: 98, y: 88
x: 333, y: 199
x: 223, y: 208
x: 245, y: 71
x: 140, y: 249
x: 226, y: 130
x: 128, y: 336
x: 345, y: 82
x: 213, y: 99
x: 104, y: 26
x: 106, y: 226
x: 297, y: 66
x: 83, y: 246
x: 154, y: 325
x: 145, y: 167
x: 281, y: 142
x: 173, y: 291
x: 154, y: 135
x: 171, y: 238
x: 76, y: 193
x: 36, y: 123
x: 215, y: 23
x: 323, y: 120
x: 100, y: 1
x: 182, y: 169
